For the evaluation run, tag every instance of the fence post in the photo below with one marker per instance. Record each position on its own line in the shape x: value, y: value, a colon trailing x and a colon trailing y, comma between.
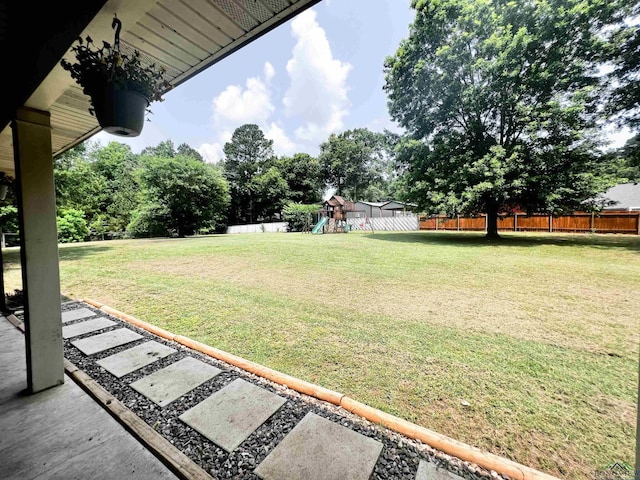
x: 459, y: 223
x: 592, y: 225
x: 515, y: 222
x: 639, y: 224
x: 436, y: 223
x: 550, y: 223
x: 486, y: 222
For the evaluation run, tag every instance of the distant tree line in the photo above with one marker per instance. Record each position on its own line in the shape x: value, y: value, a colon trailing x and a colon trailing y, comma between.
x: 502, y: 106
x: 105, y: 192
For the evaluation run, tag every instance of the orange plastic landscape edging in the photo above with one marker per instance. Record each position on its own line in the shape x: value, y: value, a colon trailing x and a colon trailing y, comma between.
x: 161, y: 332
x: 436, y: 440
x: 445, y: 444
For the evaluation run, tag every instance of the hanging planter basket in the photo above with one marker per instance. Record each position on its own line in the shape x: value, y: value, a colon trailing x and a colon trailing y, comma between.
x: 120, y: 86
x: 119, y: 111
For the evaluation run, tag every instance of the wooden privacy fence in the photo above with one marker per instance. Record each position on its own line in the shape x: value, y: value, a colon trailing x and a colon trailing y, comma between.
x: 614, y: 222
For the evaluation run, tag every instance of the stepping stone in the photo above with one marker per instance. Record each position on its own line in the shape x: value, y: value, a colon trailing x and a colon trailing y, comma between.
x: 229, y: 416
x: 86, y: 327
x: 172, y: 382
x: 319, y: 449
x: 430, y: 471
x: 135, y: 358
x: 105, y: 341
x: 77, y: 314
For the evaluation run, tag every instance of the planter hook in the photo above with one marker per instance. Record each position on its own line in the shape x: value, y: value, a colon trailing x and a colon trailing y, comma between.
x: 117, y: 25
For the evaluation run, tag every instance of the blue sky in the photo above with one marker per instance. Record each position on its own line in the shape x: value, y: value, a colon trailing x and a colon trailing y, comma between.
x: 317, y: 74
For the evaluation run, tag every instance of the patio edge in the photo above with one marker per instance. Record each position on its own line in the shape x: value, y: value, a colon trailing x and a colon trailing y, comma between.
x: 436, y: 440
x: 176, y: 461
x: 180, y: 464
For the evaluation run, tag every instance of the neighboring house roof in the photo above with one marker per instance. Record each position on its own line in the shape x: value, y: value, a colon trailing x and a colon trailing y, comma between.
x: 388, y: 205
x: 373, y: 204
x: 625, y: 196
x: 395, y: 205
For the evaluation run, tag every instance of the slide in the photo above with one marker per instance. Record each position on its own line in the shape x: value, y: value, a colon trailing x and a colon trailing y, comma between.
x: 321, y: 223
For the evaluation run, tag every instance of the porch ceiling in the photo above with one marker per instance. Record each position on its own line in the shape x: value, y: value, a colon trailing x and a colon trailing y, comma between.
x: 184, y: 36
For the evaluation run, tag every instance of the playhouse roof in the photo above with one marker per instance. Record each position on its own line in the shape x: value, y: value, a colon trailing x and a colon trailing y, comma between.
x: 336, y: 201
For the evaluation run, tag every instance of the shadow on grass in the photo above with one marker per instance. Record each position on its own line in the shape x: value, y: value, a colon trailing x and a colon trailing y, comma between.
x: 67, y: 253
x: 472, y: 239
x: 81, y: 251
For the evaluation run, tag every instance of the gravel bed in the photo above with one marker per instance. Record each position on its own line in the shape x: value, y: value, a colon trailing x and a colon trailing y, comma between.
x: 399, y: 458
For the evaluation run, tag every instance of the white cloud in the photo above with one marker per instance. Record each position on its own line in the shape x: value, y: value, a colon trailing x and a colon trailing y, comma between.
x: 252, y: 104
x: 211, y: 152
x: 237, y: 105
x: 269, y: 72
x: 316, y: 97
x: 282, y: 144
x: 317, y: 94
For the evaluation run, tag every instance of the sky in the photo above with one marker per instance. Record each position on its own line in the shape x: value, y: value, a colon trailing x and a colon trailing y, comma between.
x: 319, y: 73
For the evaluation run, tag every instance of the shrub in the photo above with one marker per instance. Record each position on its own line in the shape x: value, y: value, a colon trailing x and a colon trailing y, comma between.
x: 299, y: 217
x: 9, y: 219
x: 72, y: 227
x: 181, y: 195
x: 151, y: 220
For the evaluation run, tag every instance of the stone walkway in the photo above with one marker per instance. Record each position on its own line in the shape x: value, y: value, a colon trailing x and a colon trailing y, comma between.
x: 316, y: 448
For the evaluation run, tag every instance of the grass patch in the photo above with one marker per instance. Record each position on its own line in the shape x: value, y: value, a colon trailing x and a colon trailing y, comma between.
x: 539, y: 333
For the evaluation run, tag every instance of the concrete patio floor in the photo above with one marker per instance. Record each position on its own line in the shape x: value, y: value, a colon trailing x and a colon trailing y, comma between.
x: 62, y: 432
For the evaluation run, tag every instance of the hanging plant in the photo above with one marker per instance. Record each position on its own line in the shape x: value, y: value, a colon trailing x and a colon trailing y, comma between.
x: 120, y: 87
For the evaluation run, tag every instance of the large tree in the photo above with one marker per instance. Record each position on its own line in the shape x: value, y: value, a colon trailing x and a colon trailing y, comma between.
x: 352, y: 161
x: 625, y: 58
x: 115, y: 165
x: 269, y: 194
x: 180, y: 195
x: 302, y: 174
x: 249, y: 154
x: 624, y: 163
x: 499, y: 99
x: 164, y: 149
x: 78, y: 184
x: 187, y: 150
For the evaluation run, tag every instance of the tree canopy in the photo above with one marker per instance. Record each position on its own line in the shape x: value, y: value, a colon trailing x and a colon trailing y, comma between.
x: 179, y: 195
x: 247, y: 156
x: 499, y: 100
x: 302, y: 174
x: 111, y: 192
x: 353, y: 161
x: 260, y: 183
x: 625, y: 58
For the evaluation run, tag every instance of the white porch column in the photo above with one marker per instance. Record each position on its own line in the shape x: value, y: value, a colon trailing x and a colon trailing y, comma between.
x: 637, y: 466
x: 39, y: 248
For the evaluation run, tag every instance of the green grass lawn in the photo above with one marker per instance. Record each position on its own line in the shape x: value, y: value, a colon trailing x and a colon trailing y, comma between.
x: 539, y: 334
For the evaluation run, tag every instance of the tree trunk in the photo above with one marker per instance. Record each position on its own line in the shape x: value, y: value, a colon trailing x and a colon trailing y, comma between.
x: 250, y: 208
x: 492, y: 221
